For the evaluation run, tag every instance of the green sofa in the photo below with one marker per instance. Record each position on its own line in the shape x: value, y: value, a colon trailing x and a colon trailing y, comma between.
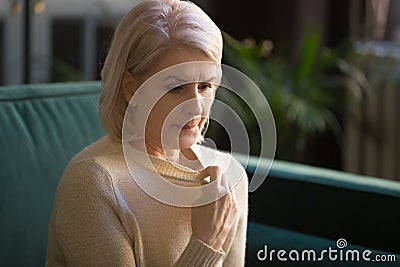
x: 297, y: 207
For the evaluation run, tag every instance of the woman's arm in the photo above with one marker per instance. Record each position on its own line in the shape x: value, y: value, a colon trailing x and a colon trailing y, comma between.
x: 214, y: 221
x: 236, y: 253
x: 199, y: 254
x: 85, y: 229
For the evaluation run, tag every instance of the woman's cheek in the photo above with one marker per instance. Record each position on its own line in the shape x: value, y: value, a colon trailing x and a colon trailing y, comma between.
x: 206, y: 108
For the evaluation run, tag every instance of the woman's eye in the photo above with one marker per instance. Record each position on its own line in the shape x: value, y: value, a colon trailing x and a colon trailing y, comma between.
x: 205, y: 86
x: 175, y: 90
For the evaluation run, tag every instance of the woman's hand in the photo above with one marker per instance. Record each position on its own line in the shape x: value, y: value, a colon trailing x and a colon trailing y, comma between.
x: 211, y: 223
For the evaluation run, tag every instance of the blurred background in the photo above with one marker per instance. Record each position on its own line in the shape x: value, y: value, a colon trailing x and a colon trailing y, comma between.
x: 330, y: 69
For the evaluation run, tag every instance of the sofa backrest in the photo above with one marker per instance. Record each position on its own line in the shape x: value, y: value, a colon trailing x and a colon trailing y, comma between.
x: 41, y: 128
x: 327, y: 203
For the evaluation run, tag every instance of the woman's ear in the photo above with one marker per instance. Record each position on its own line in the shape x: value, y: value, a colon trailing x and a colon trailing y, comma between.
x: 127, y: 85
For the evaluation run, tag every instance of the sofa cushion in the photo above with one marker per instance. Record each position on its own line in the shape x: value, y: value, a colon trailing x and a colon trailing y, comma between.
x: 327, y: 203
x: 41, y: 128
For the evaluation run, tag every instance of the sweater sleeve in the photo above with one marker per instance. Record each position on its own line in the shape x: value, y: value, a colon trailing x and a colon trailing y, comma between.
x: 236, y: 254
x: 199, y: 254
x: 85, y: 229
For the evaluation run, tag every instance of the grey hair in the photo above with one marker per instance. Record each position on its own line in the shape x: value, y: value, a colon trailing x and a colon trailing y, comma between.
x: 150, y: 29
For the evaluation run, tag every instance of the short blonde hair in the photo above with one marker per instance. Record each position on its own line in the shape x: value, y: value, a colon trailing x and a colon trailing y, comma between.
x: 144, y: 34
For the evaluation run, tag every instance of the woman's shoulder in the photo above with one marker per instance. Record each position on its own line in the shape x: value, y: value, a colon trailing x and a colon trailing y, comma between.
x: 94, y: 166
x: 103, y: 147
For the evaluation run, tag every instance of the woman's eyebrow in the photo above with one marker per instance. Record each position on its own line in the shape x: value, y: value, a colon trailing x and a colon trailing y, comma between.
x: 188, y: 80
x: 174, y: 77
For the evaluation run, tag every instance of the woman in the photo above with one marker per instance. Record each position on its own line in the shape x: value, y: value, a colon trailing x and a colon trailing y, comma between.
x: 105, y: 212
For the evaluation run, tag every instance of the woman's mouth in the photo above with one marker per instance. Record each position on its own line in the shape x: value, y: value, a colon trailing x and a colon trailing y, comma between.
x: 189, y: 126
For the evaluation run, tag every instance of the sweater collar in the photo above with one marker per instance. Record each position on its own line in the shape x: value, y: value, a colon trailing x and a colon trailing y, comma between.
x: 166, y: 168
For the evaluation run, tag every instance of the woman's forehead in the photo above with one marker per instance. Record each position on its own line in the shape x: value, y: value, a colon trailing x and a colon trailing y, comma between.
x: 189, y: 72
x: 184, y: 63
x: 184, y: 79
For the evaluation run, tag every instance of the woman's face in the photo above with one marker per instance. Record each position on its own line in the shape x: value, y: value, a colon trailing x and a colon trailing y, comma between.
x: 177, y: 118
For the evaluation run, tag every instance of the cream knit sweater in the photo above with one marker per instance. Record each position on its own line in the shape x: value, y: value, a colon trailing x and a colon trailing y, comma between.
x: 101, y: 217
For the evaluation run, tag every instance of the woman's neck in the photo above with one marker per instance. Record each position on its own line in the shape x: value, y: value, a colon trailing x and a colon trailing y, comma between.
x: 185, y: 157
x: 157, y: 151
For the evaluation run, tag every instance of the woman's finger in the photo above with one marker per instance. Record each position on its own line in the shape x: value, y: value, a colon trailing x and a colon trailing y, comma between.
x: 214, y: 172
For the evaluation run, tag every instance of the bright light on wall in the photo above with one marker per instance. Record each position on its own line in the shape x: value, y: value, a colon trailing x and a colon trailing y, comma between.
x: 16, y: 7
x: 39, y: 7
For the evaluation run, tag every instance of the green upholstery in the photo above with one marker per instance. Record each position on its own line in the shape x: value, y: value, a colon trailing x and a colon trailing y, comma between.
x: 43, y: 126
x: 328, y: 203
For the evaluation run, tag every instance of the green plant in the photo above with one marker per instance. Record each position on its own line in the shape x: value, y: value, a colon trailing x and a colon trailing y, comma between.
x: 63, y: 71
x: 303, y: 95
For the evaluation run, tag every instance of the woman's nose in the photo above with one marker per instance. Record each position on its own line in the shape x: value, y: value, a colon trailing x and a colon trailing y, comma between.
x: 193, y: 102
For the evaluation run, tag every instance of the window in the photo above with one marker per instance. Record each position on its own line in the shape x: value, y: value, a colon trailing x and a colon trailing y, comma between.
x: 2, y: 40
x: 104, y: 35
x: 67, y: 50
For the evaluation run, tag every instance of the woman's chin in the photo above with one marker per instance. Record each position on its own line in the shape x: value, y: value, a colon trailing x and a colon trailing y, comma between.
x: 187, y: 140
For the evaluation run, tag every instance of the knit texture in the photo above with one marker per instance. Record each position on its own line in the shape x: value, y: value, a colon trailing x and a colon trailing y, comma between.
x: 101, y: 217
x: 173, y: 170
